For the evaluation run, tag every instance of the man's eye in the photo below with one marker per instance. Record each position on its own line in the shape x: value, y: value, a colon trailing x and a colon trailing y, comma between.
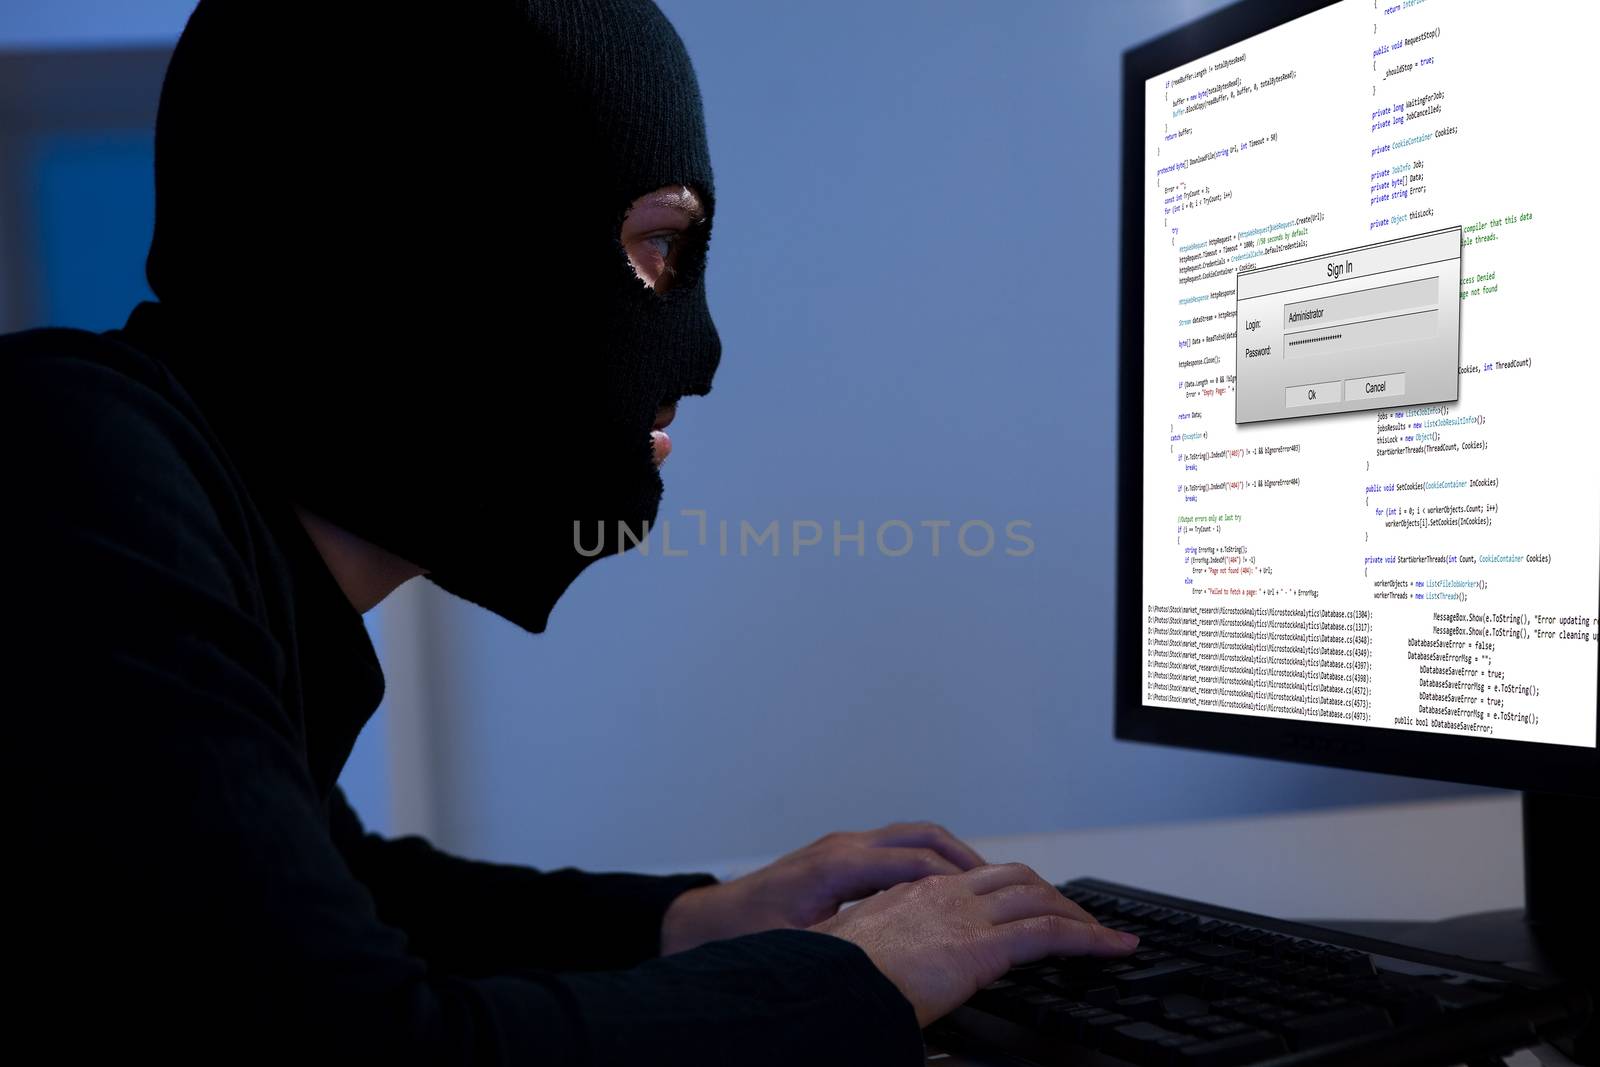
x: 651, y: 257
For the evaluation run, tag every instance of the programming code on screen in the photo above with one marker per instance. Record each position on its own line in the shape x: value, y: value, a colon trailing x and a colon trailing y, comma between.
x: 1388, y: 512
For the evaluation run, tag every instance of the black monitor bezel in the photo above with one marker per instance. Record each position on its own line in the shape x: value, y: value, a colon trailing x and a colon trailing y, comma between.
x: 1523, y: 765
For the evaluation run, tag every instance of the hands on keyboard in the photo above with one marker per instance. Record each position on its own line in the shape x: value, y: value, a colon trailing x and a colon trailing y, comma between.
x: 1215, y: 988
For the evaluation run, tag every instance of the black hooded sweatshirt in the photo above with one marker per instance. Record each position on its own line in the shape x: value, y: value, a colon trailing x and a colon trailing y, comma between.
x: 184, y: 678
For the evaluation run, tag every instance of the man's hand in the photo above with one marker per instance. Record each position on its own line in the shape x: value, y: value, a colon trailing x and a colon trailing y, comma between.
x: 807, y: 886
x: 942, y: 939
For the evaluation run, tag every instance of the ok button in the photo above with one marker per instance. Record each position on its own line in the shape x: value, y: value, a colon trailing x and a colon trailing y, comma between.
x: 1305, y: 396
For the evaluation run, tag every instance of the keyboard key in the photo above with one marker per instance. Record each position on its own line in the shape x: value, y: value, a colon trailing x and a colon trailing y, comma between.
x: 1071, y: 988
x: 1140, y: 1042
x: 1141, y: 1007
x: 1202, y: 1023
x: 1230, y: 1051
x: 1248, y: 984
x: 1300, y: 974
x: 1272, y: 944
x: 994, y: 1001
x: 1358, y: 963
x: 1219, y: 982
x: 1310, y: 1030
x: 1076, y: 966
x: 1029, y: 1007
x: 1270, y: 968
x: 1168, y: 1045
x: 1068, y: 1023
x: 1090, y: 1027
x: 1181, y: 1004
x: 1239, y: 1007
x: 1405, y: 1006
x: 1457, y: 996
x: 1215, y: 952
x: 1166, y: 976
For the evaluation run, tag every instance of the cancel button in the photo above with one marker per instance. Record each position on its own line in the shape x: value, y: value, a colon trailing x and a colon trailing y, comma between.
x: 1377, y: 388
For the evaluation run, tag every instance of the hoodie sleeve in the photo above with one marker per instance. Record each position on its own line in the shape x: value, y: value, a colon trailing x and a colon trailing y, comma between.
x: 473, y: 917
x: 181, y: 891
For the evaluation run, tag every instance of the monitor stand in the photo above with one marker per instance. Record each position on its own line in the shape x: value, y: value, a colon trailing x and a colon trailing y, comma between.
x: 1557, y: 931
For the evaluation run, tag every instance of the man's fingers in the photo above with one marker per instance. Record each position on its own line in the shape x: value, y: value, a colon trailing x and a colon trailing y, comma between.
x: 927, y: 835
x: 994, y: 876
x: 1013, y: 902
x: 1027, y: 940
x: 857, y: 872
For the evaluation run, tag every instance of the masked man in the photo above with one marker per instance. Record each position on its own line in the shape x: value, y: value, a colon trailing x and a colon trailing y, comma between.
x: 430, y: 285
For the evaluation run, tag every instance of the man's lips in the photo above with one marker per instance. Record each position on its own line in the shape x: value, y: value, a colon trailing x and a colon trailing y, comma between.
x: 660, y: 443
x: 660, y: 447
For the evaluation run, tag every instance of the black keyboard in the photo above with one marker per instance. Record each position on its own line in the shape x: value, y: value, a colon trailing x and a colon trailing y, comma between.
x: 1212, y: 987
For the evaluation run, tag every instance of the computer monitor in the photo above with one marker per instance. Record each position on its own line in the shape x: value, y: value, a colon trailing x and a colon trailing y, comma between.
x: 1359, y: 496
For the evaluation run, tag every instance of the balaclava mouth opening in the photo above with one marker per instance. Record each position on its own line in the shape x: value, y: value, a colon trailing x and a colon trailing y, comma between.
x: 387, y: 259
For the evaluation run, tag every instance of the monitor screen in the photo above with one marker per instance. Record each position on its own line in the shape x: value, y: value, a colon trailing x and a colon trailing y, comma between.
x: 1368, y: 468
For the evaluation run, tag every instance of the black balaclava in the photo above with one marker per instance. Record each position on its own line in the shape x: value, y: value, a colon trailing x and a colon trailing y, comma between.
x: 386, y: 251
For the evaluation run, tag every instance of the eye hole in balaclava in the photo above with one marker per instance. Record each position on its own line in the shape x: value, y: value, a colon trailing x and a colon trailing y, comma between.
x: 657, y: 233
x: 388, y: 261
